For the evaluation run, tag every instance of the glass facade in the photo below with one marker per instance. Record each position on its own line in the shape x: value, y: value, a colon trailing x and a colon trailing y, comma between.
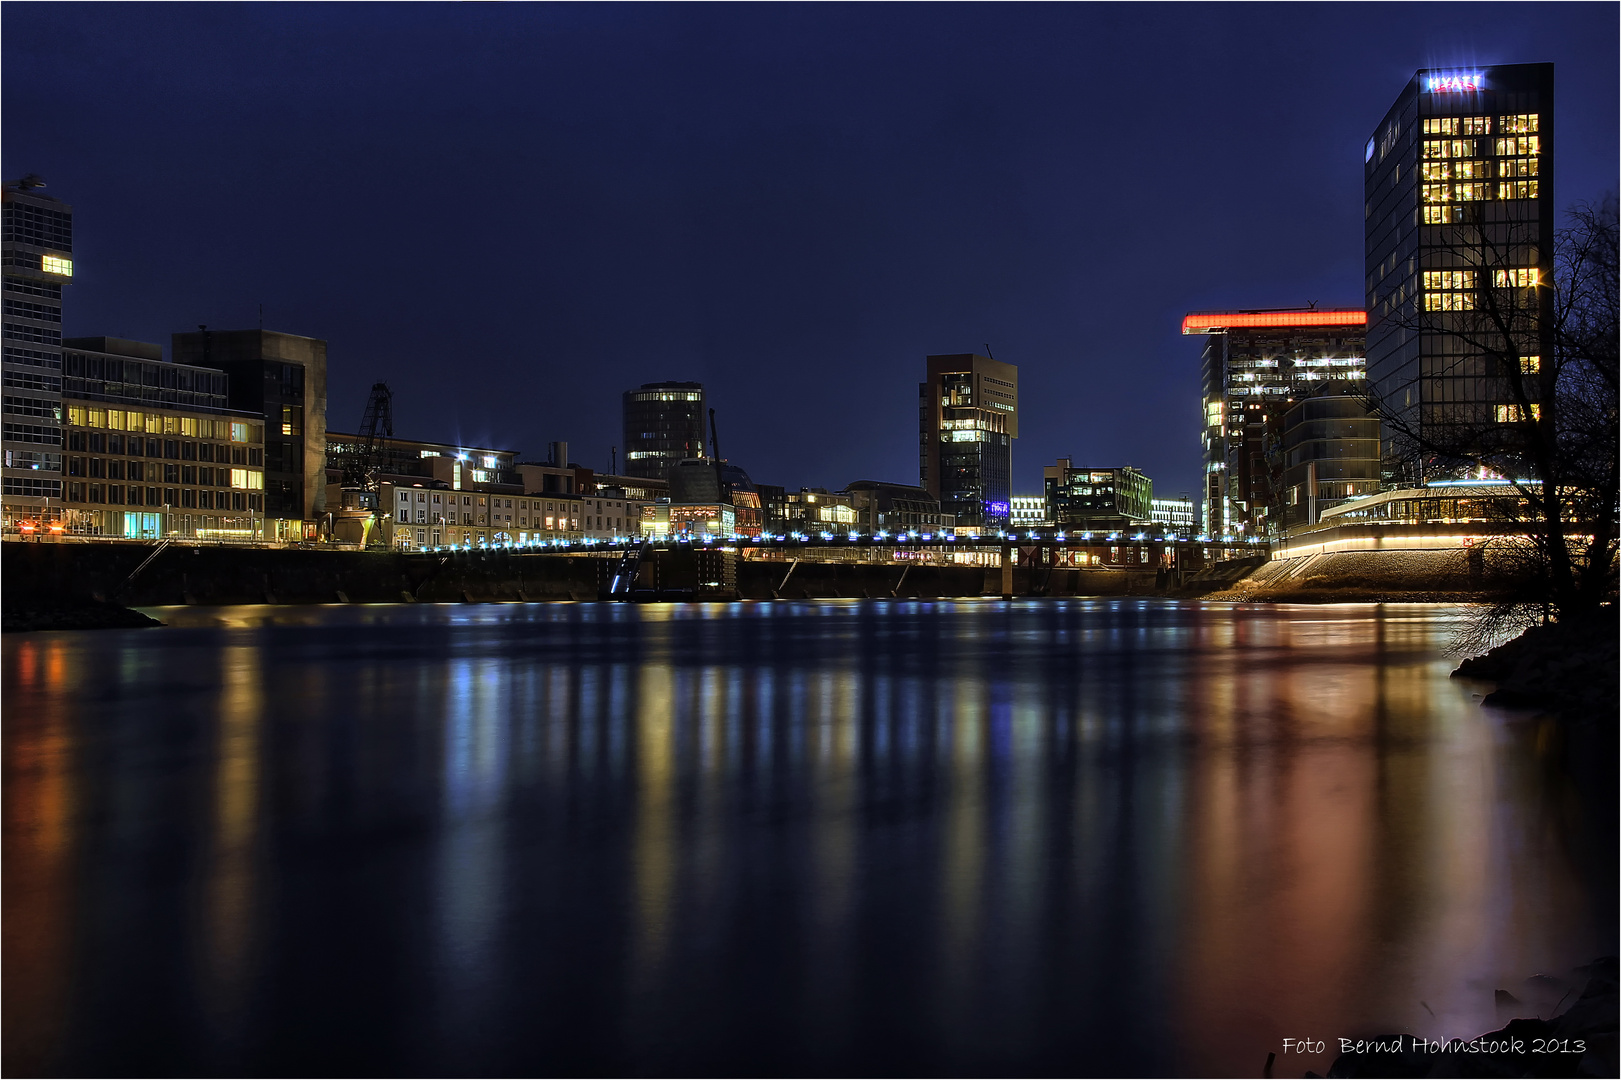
x: 1459, y: 249
x: 663, y: 423
x: 36, y: 249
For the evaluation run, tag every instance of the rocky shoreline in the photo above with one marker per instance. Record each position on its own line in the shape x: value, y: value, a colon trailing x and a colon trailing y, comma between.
x: 1566, y: 669
x: 87, y: 616
x: 1581, y: 1041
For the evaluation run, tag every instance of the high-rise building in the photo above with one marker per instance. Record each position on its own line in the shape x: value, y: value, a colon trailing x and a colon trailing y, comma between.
x: 36, y: 250
x: 664, y: 422
x: 1460, y: 248
x: 283, y: 378
x: 968, y: 417
x: 1256, y: 364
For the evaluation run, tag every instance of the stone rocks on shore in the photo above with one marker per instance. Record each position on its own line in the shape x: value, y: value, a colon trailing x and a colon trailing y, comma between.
x: 86, y: 616
x: 1581, y: 1041
x: 1566, y: 668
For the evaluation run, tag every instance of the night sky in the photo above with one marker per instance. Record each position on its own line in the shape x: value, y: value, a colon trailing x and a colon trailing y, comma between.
x: 513, y: 213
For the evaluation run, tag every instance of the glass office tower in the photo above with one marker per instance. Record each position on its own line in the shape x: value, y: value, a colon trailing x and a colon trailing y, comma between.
x: 1460, y: 249
x: 968, y: 417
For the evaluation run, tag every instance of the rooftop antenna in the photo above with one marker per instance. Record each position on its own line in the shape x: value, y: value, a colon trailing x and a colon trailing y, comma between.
x: 613, y: 458
x: 988, y: 350
x: 261, y: 315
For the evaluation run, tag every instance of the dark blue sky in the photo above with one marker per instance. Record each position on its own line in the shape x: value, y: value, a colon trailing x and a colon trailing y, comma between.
x: 513, y: 213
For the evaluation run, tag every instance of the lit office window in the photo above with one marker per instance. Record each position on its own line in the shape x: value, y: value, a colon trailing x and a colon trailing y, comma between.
x: 1450, y: 148
x: 1442, y: 215
x: 1471, y: 192
x: 1441, y: 125
x: 1517, y: 189
x: 1434, y: 193
x: 1513, y: 414
x: 1474, y: 170
x: 1530, y: 365
x: 1525, y: 144
x: 1449, y: 301
x: 1437, y: 170
x: 56, y: 264
x: 1520, y: 124
x: 1517, y: 278
x: 1449, y: 279
x: 1477, y: 125
x: 1518, y: 167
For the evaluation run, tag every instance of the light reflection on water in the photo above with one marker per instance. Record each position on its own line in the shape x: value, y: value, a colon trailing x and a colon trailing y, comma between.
x: 1039, y: 837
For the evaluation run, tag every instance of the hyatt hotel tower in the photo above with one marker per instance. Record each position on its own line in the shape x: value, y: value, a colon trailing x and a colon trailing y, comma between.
x: 1460, y: 237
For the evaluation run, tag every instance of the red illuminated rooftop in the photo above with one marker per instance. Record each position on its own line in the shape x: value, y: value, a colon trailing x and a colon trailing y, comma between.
x: 1214, y: 322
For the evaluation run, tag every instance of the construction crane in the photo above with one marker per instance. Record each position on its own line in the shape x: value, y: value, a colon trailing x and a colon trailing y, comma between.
x: 375, y: 425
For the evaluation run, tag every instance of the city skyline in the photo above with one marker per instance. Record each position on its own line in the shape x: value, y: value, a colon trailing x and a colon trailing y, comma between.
x: 690, y: 219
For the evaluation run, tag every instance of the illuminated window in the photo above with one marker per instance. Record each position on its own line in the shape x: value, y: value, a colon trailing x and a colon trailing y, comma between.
x: 1449, y: 279
x: 1437, y: 170
x: 239, y: 433
x: 1518, y: 278
x: 1434, y: 193
x: 96, y: 418
x: 1526, y: 144
x: 55, y: 264
x: 188, y: 426
x: 1452, y: 148
x: 1517, y: 189
x: 1521, y: 124
x: 154, y: 424
x: 239, y: 478
x: 171, y: 425
x: 1442, y: 215
x: 1449, y: 302
x: 76, y: 415
x: 1441, y: 125
x: 1518, y: 167
x: 1471, y: 192
x: 1530, y: 365
x: 1474, y: 170
x: 1477, y: 125
x: 1513, y: 414
x: 115, y: 419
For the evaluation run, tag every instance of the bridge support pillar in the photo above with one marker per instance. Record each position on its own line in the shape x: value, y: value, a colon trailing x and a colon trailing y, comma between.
x: 1007, y: 571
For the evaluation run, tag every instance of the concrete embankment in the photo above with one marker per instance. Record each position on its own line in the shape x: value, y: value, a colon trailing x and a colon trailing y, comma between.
x: 1351, y: 576
x: 134, y: 574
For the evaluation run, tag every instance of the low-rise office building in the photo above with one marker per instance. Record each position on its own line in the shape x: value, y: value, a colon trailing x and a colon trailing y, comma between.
x: 893, y: 508
x: 1330, y: 453
x: 1098, y: 500
x: 153, y: 450
x: 1030, y: 512
x: 1178, y: 516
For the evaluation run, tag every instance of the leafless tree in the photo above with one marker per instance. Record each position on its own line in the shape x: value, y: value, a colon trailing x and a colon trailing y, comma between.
x: 1546, y: 352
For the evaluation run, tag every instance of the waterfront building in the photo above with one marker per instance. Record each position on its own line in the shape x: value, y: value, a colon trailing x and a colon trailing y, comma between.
x: 281, y: 377
x: 893, y: 508
x: 36, y: 258
x: 663, y: 424
x: 1459, y: 248
x: 1177, y: 516
x: 1256, y: 363
x: 153, y: 449
x: 968, y: 417
x: 1097, y: 500
x: 1029, y: 512
x: 1330, y: 453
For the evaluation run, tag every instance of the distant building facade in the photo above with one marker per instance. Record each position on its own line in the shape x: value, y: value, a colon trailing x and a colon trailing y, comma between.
x: 663, y: 423
x: 1029, y: 512
x: 36, y: 257
x: 968, y: 417
x: 1256, y: 364
x: 283, y: 378
x: 1177, y: 515
x: 893, y: 508
x: 1330, y: 452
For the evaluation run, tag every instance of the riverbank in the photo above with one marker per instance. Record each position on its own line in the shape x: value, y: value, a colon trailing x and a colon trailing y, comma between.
x: 1581, y: 1041
x: 81, y: 616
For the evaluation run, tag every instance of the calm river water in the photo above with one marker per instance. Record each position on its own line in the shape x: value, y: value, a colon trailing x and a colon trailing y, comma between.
x: 1041, y: 837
